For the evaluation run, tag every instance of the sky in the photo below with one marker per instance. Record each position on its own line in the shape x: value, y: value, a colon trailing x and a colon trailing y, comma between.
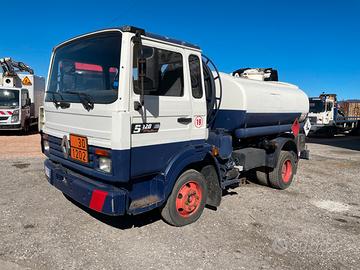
x: 313, y: 44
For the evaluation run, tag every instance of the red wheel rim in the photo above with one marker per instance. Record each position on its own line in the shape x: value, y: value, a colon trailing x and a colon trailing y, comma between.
x: 286, y: 171
x: 188, y: 199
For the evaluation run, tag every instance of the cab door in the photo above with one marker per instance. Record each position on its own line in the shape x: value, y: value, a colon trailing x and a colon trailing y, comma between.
x: 163, y: 126
x: 199, y: 131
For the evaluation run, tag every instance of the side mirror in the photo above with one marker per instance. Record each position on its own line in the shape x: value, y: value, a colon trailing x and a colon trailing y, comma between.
x: 25, y: 103
x: 141, y: 68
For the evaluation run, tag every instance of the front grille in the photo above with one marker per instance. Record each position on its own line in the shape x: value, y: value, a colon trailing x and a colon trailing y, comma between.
x: 55, y: 149
x: 313, y: 119
x: 4, y: 118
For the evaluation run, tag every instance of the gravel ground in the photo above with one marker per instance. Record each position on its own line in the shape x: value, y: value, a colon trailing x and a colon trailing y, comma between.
x: 14, y: 145
x: 313, y: 224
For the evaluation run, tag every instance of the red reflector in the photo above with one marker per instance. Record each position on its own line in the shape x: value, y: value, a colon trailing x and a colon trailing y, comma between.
x: 295, y: 127
x: 97, y: 200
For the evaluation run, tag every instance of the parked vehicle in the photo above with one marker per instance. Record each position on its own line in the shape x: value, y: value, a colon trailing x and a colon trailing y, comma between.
x: 136, y: 121
x: 21, y: 95
x: 329, y: 117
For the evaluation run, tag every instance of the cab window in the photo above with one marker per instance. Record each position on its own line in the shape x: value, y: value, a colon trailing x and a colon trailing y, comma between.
x: 195, y: 76
x: 329, y: 106
x: 164, y: 75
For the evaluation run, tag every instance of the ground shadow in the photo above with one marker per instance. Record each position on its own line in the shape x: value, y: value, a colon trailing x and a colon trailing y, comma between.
x: 122, y: 222
x: 342, y: 141
x: 15, y: 133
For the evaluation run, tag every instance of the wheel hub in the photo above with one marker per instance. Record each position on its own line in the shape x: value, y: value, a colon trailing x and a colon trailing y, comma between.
x: 188, y: 198
x: 286, y: 171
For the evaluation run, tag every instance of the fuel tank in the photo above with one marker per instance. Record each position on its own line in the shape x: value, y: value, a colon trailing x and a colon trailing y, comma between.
x: 251, y: 108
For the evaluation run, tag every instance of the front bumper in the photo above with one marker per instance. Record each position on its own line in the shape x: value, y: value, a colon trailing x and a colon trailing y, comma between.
x: 96, y: 195
x: 317, y: 127
x: 10, y: 127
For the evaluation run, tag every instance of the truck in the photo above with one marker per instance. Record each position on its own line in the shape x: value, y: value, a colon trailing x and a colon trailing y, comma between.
x: 135, y: 121
x: 329, y: 117
x: 21, y: 95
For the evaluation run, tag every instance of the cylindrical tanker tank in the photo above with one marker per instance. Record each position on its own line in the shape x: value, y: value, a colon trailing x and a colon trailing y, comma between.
x: 252, y: 108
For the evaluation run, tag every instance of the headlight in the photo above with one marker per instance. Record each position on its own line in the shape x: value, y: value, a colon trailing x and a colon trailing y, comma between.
x: 15, y: 116
x: 46, y: 146
x: 105, y: 164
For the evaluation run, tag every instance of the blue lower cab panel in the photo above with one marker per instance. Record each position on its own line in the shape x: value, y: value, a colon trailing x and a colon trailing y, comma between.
x: 153, y: 159
x: 128, y: 163
x: 120, y: 172
x: 95, y: 195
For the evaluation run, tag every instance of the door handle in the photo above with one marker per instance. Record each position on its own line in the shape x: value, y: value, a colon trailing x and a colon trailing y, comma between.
x: 184, y: 120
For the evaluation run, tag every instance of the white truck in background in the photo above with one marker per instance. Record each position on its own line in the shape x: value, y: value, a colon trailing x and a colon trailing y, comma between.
x: 329, y: 117
x: 21, y: 95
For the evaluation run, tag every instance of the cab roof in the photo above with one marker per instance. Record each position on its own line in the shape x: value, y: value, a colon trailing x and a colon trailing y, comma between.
x: 133, y: 29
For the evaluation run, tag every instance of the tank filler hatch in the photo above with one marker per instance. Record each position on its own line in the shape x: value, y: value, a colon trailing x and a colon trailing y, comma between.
x: 260, y: 74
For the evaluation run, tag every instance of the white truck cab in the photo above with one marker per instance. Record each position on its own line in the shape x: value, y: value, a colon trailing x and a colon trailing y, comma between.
x: 135, y: 121
x: 327, y: 119
x: 322, y: 111
x: 21, y: 95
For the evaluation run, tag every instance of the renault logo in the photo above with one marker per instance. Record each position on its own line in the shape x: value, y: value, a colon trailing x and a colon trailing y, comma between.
x: 65, y: 146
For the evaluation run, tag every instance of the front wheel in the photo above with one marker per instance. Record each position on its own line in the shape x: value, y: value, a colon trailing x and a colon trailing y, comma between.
x: 187, y: 199
x: 26, y: 128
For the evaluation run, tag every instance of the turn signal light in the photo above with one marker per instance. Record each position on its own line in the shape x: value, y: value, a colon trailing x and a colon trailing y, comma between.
x: 215, y: 151
x: 102, y: 152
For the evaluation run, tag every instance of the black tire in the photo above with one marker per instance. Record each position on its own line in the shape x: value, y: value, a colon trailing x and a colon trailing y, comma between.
x: 262, y: 176
x: 176, y: 212
x: 26, y: 128
x: 331, y: 132
x: 276, y: 177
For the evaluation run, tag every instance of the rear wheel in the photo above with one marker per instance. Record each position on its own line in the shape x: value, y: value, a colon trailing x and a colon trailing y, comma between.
x: 262, y: 176
x: 187, y: 200
x: 282, y: 175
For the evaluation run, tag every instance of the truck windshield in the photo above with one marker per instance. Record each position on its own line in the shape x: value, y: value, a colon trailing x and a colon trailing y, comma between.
x: 316, y: 106
x: 9, y: 98
x: 87, y: 66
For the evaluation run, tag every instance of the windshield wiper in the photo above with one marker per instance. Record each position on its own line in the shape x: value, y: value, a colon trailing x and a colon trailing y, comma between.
x: 62, y: 104
x: 85, y: 99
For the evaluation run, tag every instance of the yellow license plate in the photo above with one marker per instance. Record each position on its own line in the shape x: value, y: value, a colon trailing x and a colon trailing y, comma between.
x: 79, y: 148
